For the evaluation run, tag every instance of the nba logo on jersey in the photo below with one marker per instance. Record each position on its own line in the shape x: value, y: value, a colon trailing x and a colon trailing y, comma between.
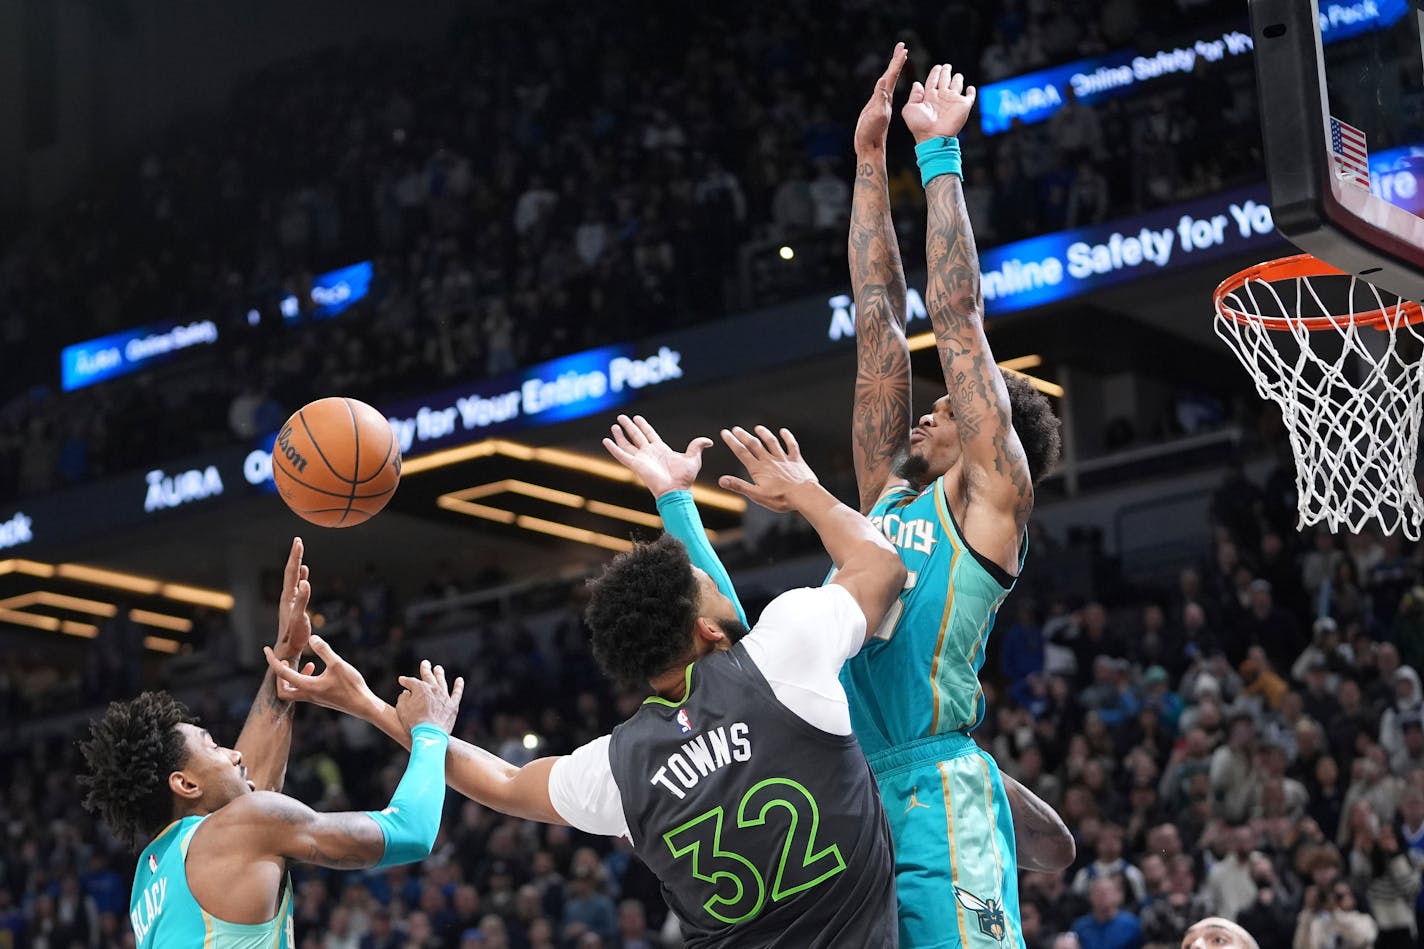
x: 683, y: 721
x: 152, y: 864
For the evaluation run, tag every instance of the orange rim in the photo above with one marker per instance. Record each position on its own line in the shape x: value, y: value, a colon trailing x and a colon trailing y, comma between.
x: 1295, y: 268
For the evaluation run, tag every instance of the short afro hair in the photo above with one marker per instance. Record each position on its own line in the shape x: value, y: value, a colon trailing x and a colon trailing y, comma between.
x: 641, y: 611
x: 130, y: 753
x: 1037, y: 426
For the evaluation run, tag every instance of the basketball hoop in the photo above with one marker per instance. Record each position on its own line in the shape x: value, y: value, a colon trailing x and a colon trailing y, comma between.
x: 1350, y: 387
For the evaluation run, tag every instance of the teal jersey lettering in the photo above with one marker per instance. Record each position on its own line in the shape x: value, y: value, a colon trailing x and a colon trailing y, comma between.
x: 165, y: 914
x: 918, y: 675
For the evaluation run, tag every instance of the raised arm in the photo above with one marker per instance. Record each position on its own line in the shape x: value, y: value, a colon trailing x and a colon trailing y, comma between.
x: 866, y: 565
x: 470, y: 770
x: 238, y: 854
x: 995, y: 481
x: 266, y: 737
x: 880, y: 424
x: 669, y: 475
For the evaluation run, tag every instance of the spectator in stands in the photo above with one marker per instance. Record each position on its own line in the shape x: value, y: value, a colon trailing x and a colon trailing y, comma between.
x: 1267, y: 625
x: 1230, y: 885
x: 1329, y: 919
x: 1168, y: 914
x: 1109, y: 863
x: 587, y: 909
x: 633, y: 931
x: 1407, y: 705
x: 1380, y: 866
x: 1108, y: 925
x: 1271, y: 915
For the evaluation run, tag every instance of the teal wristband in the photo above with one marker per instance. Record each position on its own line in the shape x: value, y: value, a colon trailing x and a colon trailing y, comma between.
x: 938, y: 156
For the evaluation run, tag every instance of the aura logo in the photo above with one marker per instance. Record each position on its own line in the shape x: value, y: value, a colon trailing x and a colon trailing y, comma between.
x: 166, y: 491
x: 16, y: 531
x: 1030, y: 100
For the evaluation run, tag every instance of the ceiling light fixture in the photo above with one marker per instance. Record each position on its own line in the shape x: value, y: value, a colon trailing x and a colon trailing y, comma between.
x: 1017, y: 364
x: 562, y: 458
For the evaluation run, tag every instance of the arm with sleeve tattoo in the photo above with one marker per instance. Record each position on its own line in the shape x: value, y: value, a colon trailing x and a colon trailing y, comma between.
x: 881, y: 420
x: 995, y: 479
x: 266, y: 738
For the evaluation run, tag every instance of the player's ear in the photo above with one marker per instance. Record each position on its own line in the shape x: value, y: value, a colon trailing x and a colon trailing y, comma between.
x: 182, y: 784
x: 709, y: 632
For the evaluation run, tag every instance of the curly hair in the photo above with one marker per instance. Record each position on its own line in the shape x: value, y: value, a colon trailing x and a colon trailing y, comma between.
x: 130, y: 753
x: 641, y: 611
x: 1037, y: 426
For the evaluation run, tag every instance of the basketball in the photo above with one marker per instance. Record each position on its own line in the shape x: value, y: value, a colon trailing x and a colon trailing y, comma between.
x: 336, y: 462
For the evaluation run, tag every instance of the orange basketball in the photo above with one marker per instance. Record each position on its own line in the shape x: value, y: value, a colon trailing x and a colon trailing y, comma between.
x: 336, y: 462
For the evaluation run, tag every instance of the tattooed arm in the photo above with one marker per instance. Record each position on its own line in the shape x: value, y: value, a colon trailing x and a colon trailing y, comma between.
x: 266, y: 737
x: 881, y: 421
x: 995, y: 478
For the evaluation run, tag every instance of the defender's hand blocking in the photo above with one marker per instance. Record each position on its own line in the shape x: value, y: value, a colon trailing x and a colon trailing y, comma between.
x: 874, y: 119
x: 939, y: 107
x: 636, y: 446
x: 428, y: 700
x: 340, y: 685
x: 775, y: 471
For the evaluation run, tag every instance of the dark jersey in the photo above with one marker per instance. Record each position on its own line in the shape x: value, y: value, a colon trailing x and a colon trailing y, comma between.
x: 764, y: 830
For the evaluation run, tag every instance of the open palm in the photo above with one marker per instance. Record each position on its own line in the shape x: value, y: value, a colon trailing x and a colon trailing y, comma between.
x: 939, y: 107
x: 874, y: 119
x: 660, y: 467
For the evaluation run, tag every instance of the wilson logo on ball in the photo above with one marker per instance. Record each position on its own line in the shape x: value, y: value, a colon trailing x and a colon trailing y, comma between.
x: 284, y: 442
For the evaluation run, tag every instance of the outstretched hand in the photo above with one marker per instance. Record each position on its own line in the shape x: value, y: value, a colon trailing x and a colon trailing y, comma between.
x: 637, y: 446
x: 340, y: 685
x: 874, y: 119
x: 293, y: 623
x: 775, y: 471
x: 427, y: 699
x: 939, y: 107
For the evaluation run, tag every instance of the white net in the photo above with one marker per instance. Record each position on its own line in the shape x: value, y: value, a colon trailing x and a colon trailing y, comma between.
x: 1349, y: 382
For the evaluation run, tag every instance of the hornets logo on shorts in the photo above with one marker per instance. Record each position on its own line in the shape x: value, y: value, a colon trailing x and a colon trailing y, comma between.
x: 989, y: 913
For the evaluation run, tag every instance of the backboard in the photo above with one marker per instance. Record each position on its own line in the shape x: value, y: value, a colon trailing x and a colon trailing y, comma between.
x: 1341, y: 87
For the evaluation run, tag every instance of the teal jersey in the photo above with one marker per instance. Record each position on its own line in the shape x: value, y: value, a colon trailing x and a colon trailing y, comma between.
x: 918, y: 675
x: 166, y: 915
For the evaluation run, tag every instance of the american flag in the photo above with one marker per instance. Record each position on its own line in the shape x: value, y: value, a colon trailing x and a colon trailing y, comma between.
x: 1352, y: 157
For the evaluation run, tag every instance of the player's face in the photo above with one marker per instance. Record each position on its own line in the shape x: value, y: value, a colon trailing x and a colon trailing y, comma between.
x: 216, y: 770
x: 1215, y: 933
x: 934, y: 442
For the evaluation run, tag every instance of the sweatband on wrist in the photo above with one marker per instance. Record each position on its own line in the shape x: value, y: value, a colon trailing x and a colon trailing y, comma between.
x: 938, y: 156
x: 681, y: 520
x: 411, y: 822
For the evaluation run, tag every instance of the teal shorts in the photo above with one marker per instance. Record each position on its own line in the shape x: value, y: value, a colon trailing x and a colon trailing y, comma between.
x: 956, y: 872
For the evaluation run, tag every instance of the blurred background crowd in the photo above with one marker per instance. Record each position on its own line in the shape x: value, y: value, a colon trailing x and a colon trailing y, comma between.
x: 1247, y: 741
x: 516, y: 209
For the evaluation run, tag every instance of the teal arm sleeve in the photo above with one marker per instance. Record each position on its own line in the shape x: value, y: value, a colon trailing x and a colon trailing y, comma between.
x: 412, y: 820
x: 681, y: 520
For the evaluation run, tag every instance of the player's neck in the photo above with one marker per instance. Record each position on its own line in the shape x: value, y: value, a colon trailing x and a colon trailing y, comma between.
x: 670, y: 685
x: 672, y: 682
